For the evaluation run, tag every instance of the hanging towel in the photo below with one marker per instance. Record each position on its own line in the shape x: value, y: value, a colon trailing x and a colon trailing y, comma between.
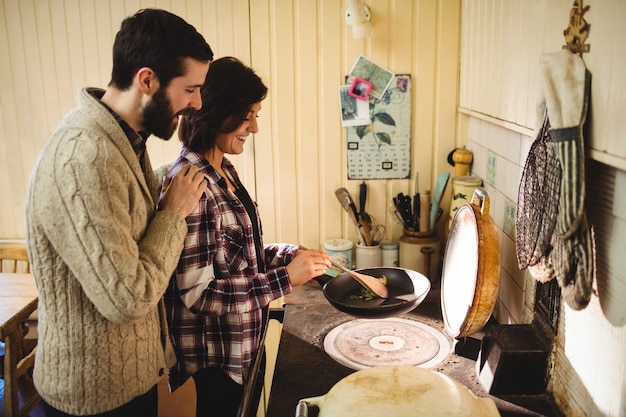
x: 565, y: 86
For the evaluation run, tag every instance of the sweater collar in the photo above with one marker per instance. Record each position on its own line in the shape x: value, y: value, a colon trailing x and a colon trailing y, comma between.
x: 137, y: 139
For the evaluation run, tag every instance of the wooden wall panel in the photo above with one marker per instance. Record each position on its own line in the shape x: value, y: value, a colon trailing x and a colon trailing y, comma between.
x: 52, y: 48
x: 502, y: 42
x: 302, y: 159
x: 303, y: 50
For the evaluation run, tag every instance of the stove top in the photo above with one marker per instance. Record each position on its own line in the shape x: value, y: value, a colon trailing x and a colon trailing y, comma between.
x: 364, y: 343
x: 303, y: 369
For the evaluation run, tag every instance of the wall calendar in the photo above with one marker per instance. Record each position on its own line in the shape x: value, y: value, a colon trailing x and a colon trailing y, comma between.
x: 381, y: 149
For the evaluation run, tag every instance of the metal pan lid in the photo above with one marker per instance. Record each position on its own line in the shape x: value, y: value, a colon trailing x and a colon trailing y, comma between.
x: 460, y: 269
x: 471, y: 268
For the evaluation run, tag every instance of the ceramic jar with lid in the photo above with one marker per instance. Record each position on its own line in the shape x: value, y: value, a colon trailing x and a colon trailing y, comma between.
x: 421, y: 252
x: 462, y: 191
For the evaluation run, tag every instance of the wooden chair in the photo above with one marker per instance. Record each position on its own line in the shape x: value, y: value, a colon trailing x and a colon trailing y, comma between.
x: 13, y: 255
x: 14, y: 259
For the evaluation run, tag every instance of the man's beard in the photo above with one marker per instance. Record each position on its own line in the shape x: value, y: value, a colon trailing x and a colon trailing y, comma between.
x: 158, y: 118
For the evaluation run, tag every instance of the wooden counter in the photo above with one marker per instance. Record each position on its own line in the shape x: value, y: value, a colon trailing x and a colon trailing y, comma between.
x: 18, y: 299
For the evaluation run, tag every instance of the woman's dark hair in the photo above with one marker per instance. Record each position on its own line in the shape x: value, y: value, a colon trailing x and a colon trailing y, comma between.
x: 159, y: 40
x: 228, y: 93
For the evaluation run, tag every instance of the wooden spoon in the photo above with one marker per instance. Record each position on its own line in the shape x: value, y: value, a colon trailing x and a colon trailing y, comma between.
x: 377, y: 286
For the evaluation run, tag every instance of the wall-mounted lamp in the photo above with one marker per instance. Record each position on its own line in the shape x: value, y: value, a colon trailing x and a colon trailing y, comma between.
x: 358, y: 16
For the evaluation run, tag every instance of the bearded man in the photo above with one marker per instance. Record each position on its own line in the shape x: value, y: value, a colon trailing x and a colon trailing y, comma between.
x: 101, y: 247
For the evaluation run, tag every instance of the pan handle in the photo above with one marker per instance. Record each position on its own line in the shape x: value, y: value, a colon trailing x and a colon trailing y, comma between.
x: 481, y: 194
x: 323, y: 279
x: 302, y: 409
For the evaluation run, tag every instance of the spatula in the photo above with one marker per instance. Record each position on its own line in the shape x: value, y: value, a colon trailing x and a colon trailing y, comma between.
x: 377, y: 286
x: 344, y: 197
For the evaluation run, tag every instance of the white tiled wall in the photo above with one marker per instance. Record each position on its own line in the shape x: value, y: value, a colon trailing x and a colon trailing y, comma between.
x: 499, y: 157
x: 583, y: 380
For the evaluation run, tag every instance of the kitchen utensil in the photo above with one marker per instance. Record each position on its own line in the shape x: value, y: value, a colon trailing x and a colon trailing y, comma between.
x: 440, y: 186
x: 395, y: 215
x: 347, y: 203
x: 362, y: 196
x: 366, y: 220
x: 378, y: 233
x: 403, y: 207
x: 345, y: 198
x: 376, y: 285
x: 416, y: 203
x: 366, y: 224
x: 406, y: 391
x: 407, y: 289
x: 424, y: 225
x: 471, y: 268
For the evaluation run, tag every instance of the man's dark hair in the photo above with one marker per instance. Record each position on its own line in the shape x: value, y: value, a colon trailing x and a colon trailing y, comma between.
x: 159, y: 40
x: 230, y: 90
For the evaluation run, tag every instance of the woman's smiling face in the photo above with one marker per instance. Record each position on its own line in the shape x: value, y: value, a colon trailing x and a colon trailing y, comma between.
x: 232, y: 143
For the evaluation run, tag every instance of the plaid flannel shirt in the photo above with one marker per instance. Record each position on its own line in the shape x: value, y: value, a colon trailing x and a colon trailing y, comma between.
x: 215, y: 298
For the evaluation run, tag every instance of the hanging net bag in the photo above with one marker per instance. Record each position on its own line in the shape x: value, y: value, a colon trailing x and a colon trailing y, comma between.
x: 538, y: 200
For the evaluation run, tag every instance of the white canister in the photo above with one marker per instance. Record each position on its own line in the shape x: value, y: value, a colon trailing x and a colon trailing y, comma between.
x: 389, y: 250
x: 368, y: 256
x: 341, y: 252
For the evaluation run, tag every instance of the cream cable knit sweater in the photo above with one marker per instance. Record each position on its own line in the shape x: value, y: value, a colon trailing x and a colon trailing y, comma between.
x: 102, y: 258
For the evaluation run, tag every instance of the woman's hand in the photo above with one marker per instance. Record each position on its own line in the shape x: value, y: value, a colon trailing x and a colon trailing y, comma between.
x: 306, y: 265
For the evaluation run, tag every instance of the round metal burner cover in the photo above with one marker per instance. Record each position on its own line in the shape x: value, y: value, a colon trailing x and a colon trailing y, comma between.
x: 365, y: 343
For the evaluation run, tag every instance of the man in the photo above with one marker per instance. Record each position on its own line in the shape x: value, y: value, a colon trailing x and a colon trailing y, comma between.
x: 101, y: 251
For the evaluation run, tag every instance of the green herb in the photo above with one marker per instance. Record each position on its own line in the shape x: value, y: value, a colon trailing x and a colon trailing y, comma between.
x: 365, y: 295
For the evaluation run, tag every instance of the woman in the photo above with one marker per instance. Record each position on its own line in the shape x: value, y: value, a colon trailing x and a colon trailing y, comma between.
x: 226, y: 277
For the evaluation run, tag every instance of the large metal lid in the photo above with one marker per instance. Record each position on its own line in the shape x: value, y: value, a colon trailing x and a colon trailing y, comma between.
x: 460, y: 269
x: 471, y: 268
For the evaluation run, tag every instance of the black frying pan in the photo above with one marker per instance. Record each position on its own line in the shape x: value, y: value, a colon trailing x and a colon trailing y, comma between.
x: 407, y: 289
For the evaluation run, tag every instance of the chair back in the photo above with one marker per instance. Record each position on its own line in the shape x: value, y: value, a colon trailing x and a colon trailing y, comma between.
x: 14, y: 257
